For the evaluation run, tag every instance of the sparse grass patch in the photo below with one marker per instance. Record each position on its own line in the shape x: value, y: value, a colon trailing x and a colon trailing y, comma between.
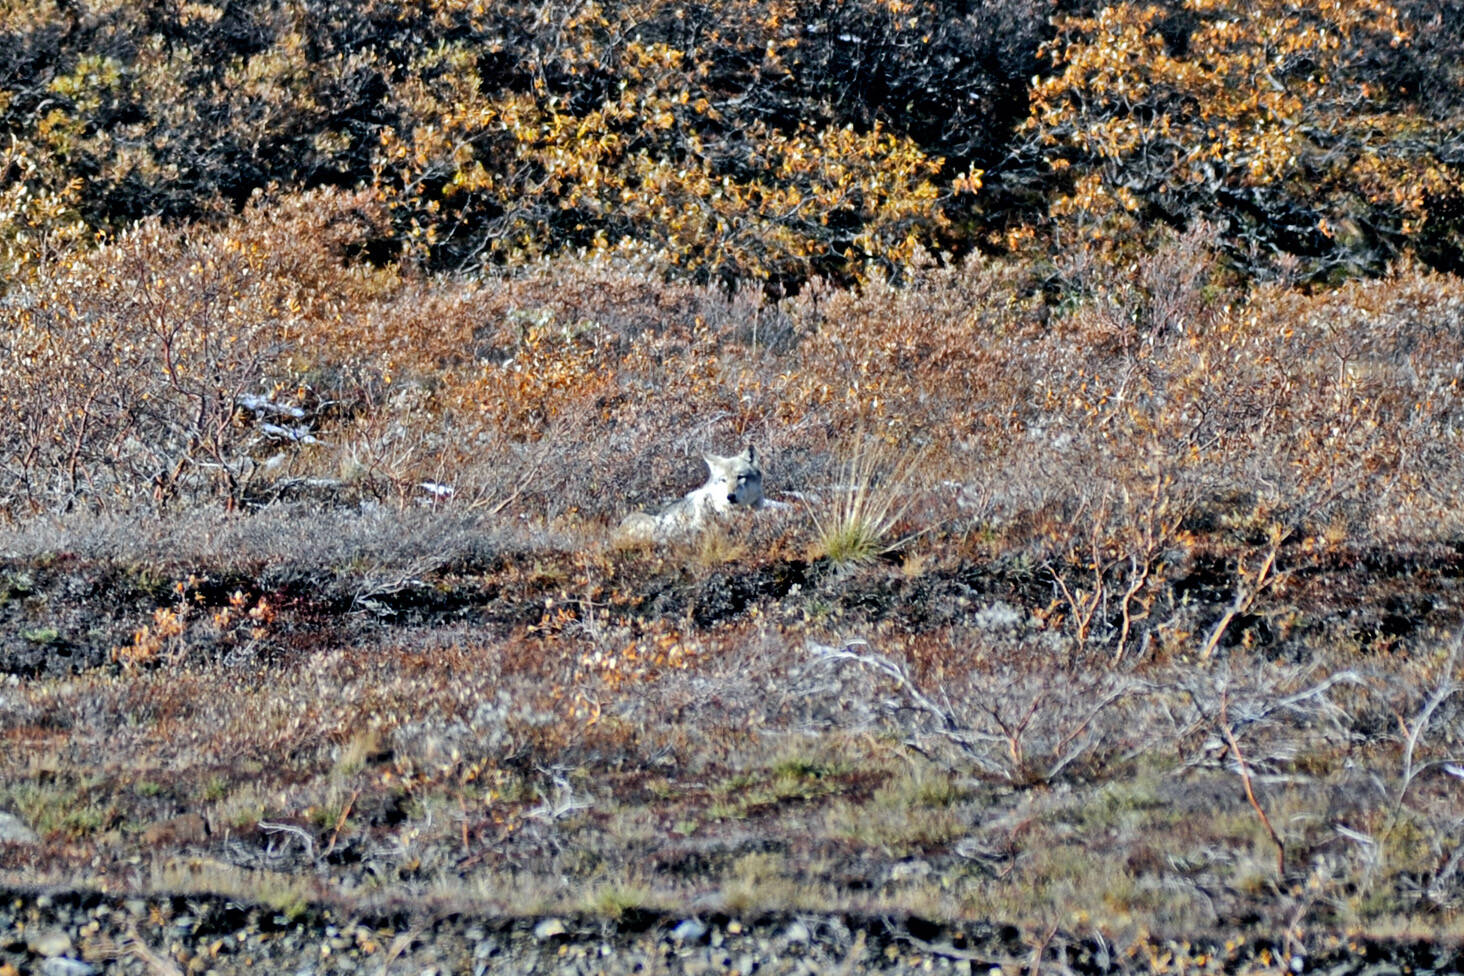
x: 794, y: 777
x: 759, y: 867
x: 920, y: 785
x: 1126, y: 802
x: 289, y: 895
x: 915, y: 809
x: 60, y: 807
x: 894, y: 830
x: 242, y: 805
x: 614, y: 899
x: 764, y: 880
x: 798, y: 770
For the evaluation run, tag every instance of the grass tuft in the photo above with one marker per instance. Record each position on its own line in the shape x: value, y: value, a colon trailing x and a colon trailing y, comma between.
x: 857, y: 526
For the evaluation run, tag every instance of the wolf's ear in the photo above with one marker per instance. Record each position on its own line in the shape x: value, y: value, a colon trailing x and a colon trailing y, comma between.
x: 713, y: 462
x: 750, y: 454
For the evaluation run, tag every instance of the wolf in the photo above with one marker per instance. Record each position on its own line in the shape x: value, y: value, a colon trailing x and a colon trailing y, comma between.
x: 734, y: 482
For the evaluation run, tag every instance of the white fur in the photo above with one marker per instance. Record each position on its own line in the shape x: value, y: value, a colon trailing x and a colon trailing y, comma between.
x: 732, y: 483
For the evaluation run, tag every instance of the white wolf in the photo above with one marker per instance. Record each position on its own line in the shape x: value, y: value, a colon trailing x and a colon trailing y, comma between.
x: 732, y: 482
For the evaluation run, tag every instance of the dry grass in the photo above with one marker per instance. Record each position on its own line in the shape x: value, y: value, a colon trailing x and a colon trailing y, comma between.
x: 874, y: 494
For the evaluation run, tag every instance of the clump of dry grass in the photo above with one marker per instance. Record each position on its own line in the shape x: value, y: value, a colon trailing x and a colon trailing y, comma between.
x: 856, y: 524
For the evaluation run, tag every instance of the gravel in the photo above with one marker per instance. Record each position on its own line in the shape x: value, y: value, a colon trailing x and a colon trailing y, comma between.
x: 79, y: 933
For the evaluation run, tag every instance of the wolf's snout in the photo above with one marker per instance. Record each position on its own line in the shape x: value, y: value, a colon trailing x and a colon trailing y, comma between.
x: 732, y: 499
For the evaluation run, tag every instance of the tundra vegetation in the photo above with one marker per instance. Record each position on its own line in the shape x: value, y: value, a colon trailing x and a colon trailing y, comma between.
x: 1107, y: 359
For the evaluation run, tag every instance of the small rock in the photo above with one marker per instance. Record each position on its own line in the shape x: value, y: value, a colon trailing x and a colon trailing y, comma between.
x: 14, y: 831
x: 62, y: 966
x: 690, y: 930
x: 746, y: 965
x: 51, y: 942
x: 549, y: 928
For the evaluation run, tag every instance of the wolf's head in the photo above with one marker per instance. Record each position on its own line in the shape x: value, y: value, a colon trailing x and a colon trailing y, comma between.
x: 738, y: 478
